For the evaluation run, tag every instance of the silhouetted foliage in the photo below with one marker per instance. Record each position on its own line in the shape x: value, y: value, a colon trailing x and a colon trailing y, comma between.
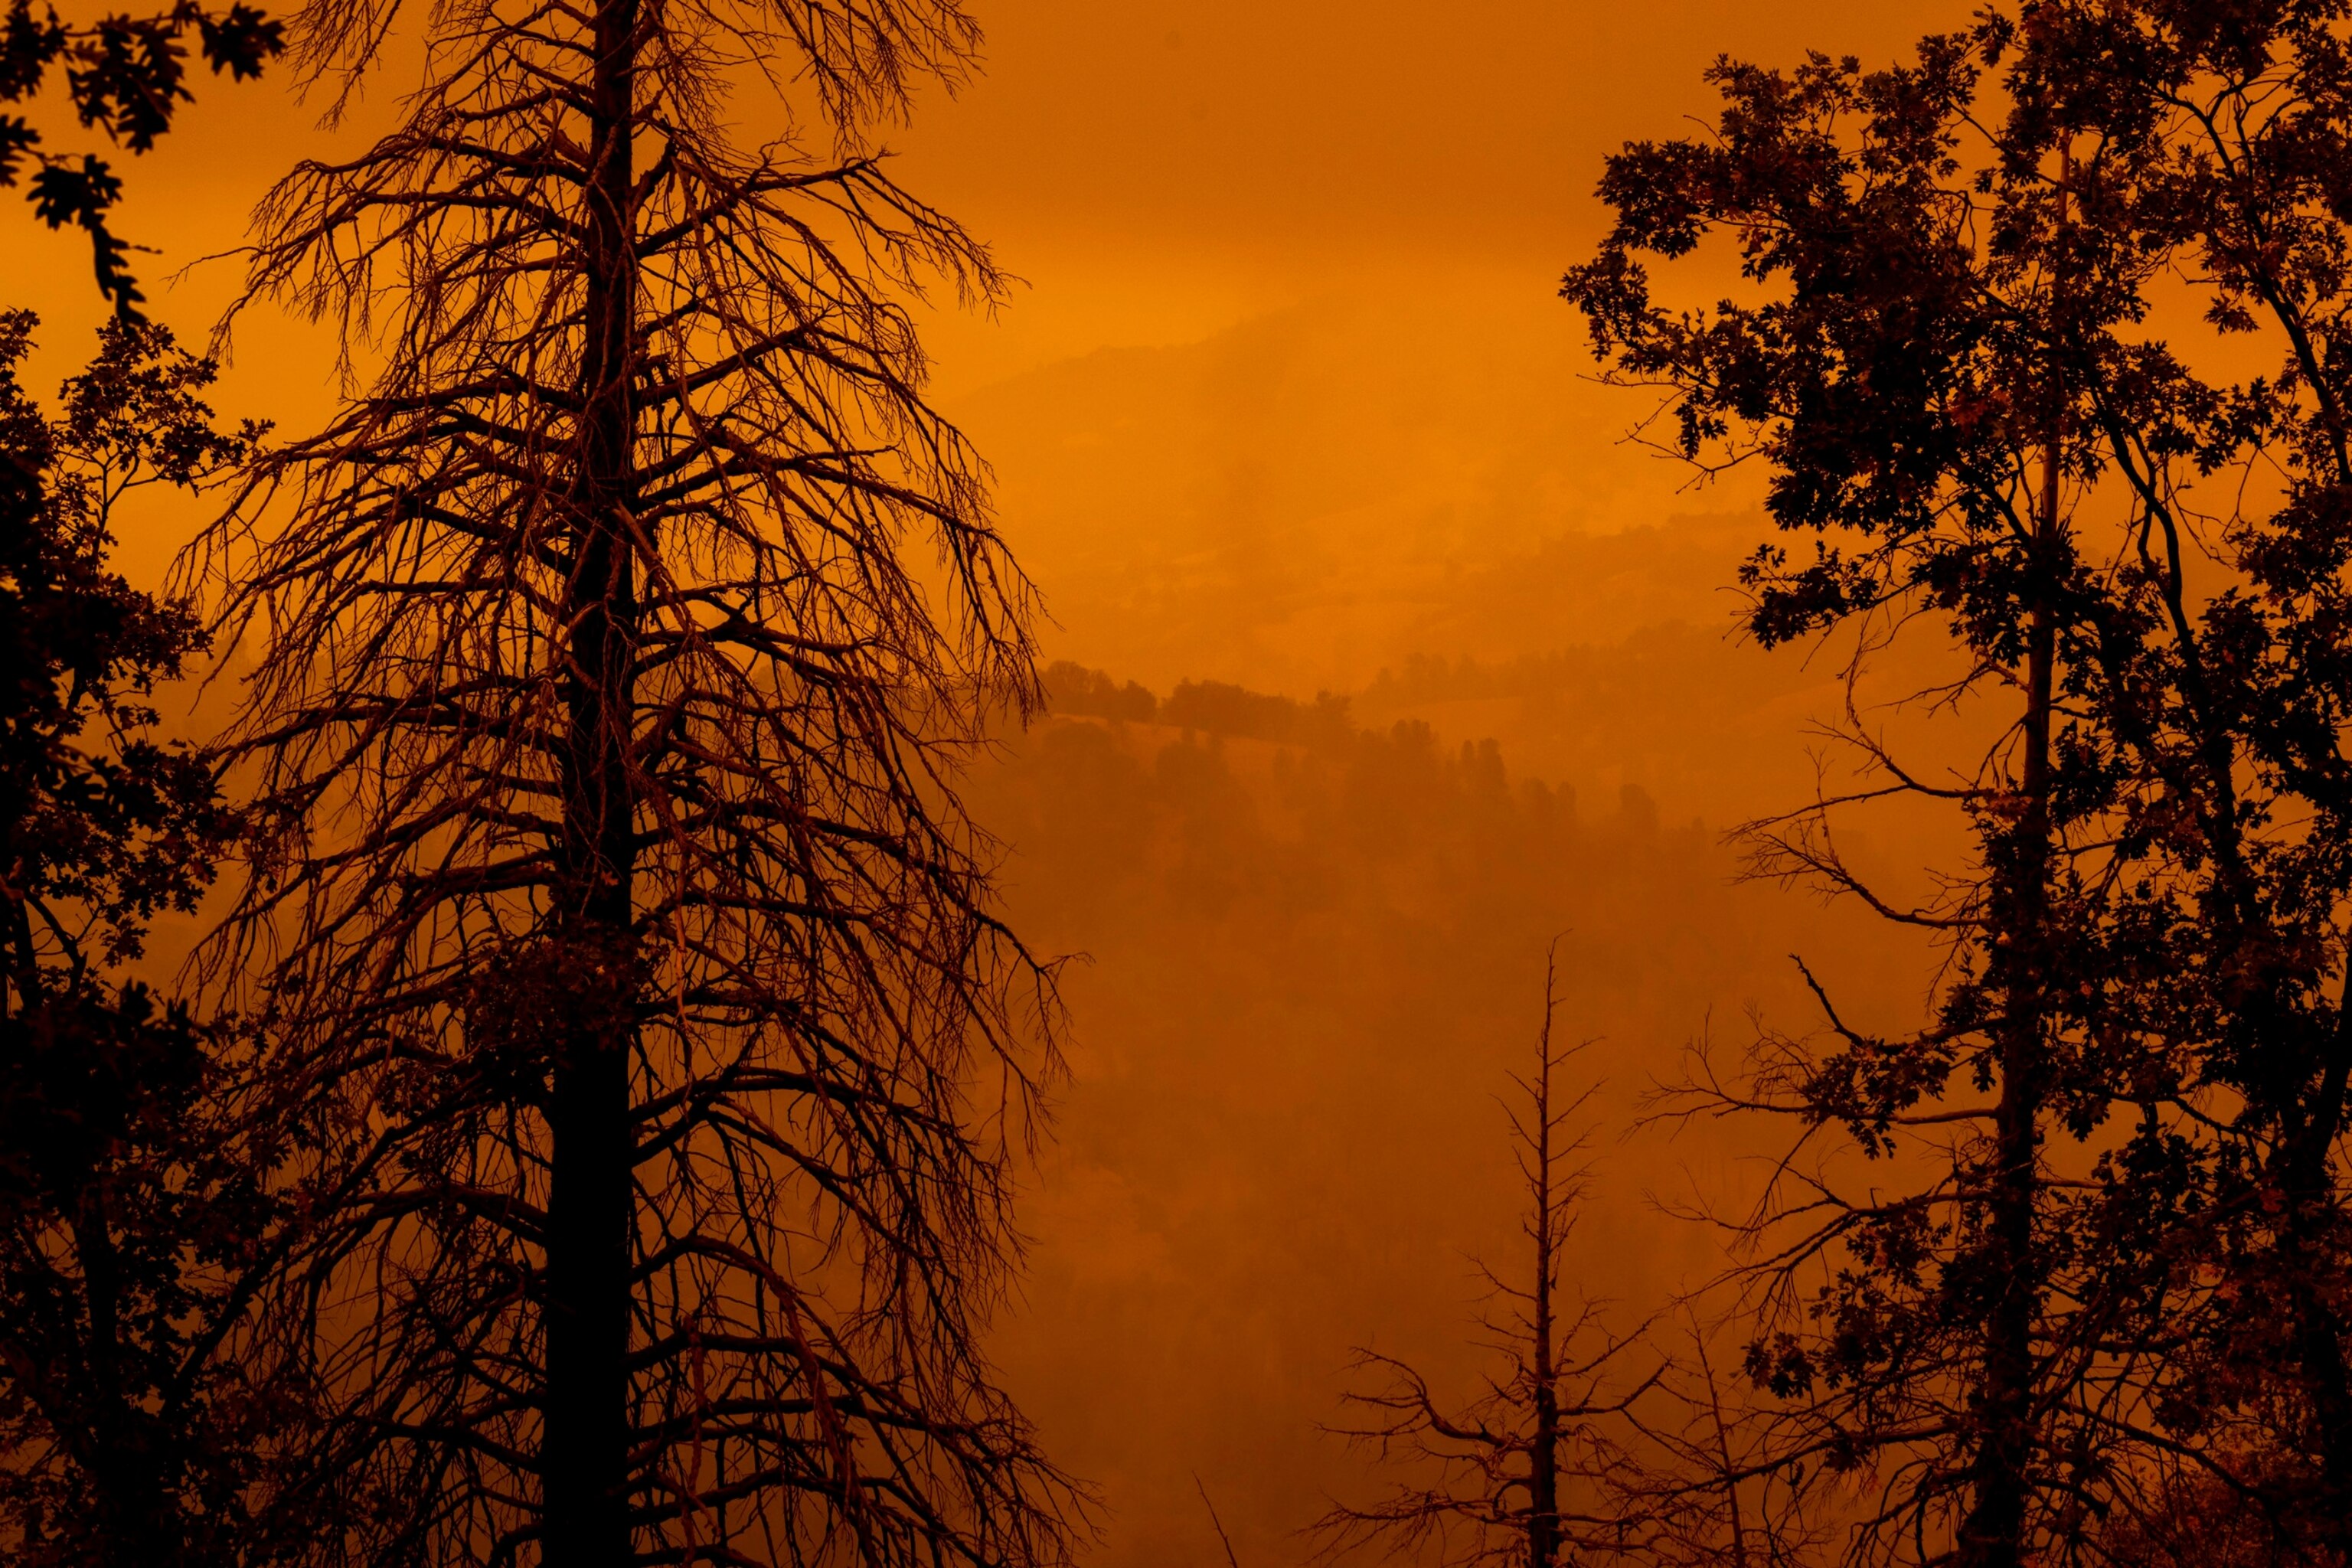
x: 104, y: 825
x: 2184, y: 1515
x: 1952, y: 352
x: 1224, y: 709
x: 137, y: 1215
x: 126, y: 75
x: 1075, y: 689
x: 1217, y: 707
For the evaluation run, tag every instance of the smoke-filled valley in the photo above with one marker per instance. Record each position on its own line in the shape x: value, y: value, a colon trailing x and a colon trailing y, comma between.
x: 870, y: 784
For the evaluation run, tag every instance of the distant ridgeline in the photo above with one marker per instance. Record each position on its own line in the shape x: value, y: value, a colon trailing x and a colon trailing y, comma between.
x: 1323, y: 728
x: 1428, y: 677
x: 1213, y: 707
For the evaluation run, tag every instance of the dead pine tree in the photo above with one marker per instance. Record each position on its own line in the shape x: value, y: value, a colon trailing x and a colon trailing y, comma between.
x: 1703, y: 1469
x: 1508, y: 1466
x: 614, y: 652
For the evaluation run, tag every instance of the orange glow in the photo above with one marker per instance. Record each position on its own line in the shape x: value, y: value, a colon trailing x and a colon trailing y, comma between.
x: 1287, y: 401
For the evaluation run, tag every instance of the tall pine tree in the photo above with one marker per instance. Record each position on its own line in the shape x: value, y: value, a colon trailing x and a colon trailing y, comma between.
x: 615, y: 650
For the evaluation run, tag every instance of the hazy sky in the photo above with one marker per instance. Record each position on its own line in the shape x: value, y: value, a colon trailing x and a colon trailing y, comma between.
x: 1287, y: 400
x: 1352, y: 216
x: 1158, y: 170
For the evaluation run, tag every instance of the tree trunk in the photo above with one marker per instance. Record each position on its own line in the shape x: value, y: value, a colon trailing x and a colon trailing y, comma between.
x: 136, y: 1524
x: 24, y: 961
x: 1993, y: 1534
x: 1543, y: 1455
x: 585, y: 1469
x: 2318, y: 1324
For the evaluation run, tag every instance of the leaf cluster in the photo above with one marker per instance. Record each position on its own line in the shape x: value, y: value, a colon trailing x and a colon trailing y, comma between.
x: 125, y: 76
x: 138, y: 1209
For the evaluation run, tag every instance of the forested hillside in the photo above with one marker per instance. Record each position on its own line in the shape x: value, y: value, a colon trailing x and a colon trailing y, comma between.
x: 1309, y: 951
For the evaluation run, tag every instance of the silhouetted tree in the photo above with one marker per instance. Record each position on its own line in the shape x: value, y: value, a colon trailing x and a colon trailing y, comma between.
x: 1074, y: 688
x: 616, y: 904
x: 1706, y: 1476
x: 1523, y: 1473
x: 139, y: 1217
x: 126, y: 75
x: 2222, y: 137
x: 1951, y: 362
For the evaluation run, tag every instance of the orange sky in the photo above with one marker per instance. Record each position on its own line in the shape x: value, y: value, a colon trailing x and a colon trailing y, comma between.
x: 1321, y: 240
x: 1161, y: 170
x: 1158, y: 172
x: 1286, y: 389
x: 1287, y: 401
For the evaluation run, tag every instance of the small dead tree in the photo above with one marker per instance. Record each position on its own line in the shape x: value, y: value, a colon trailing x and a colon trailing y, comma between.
x: 613, y: 653
x: 1705, y: 1471
x: 1522, y: 1473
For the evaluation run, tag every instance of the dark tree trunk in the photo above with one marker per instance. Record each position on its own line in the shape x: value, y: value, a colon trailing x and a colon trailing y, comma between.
x: 585, y: 1459
x: 1993, y: 1534
x: 1543, y: 1457
x: 134, y: 1529
x: 2318, y: 1331
x: 24, y: 961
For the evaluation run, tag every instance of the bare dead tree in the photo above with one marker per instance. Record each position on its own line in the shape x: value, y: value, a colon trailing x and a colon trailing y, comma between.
x: 1703, y: 1469
x: 616, y: 911
x: 1523, y: 1473
x: 1224, y: 1541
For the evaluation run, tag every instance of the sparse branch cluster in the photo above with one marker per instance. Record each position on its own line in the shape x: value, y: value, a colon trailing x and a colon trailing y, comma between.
x: 1534, y: 1471
x: 603, y: 712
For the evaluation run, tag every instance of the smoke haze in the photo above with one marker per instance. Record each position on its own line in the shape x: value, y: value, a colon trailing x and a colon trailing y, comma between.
x: 1286, y: 403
